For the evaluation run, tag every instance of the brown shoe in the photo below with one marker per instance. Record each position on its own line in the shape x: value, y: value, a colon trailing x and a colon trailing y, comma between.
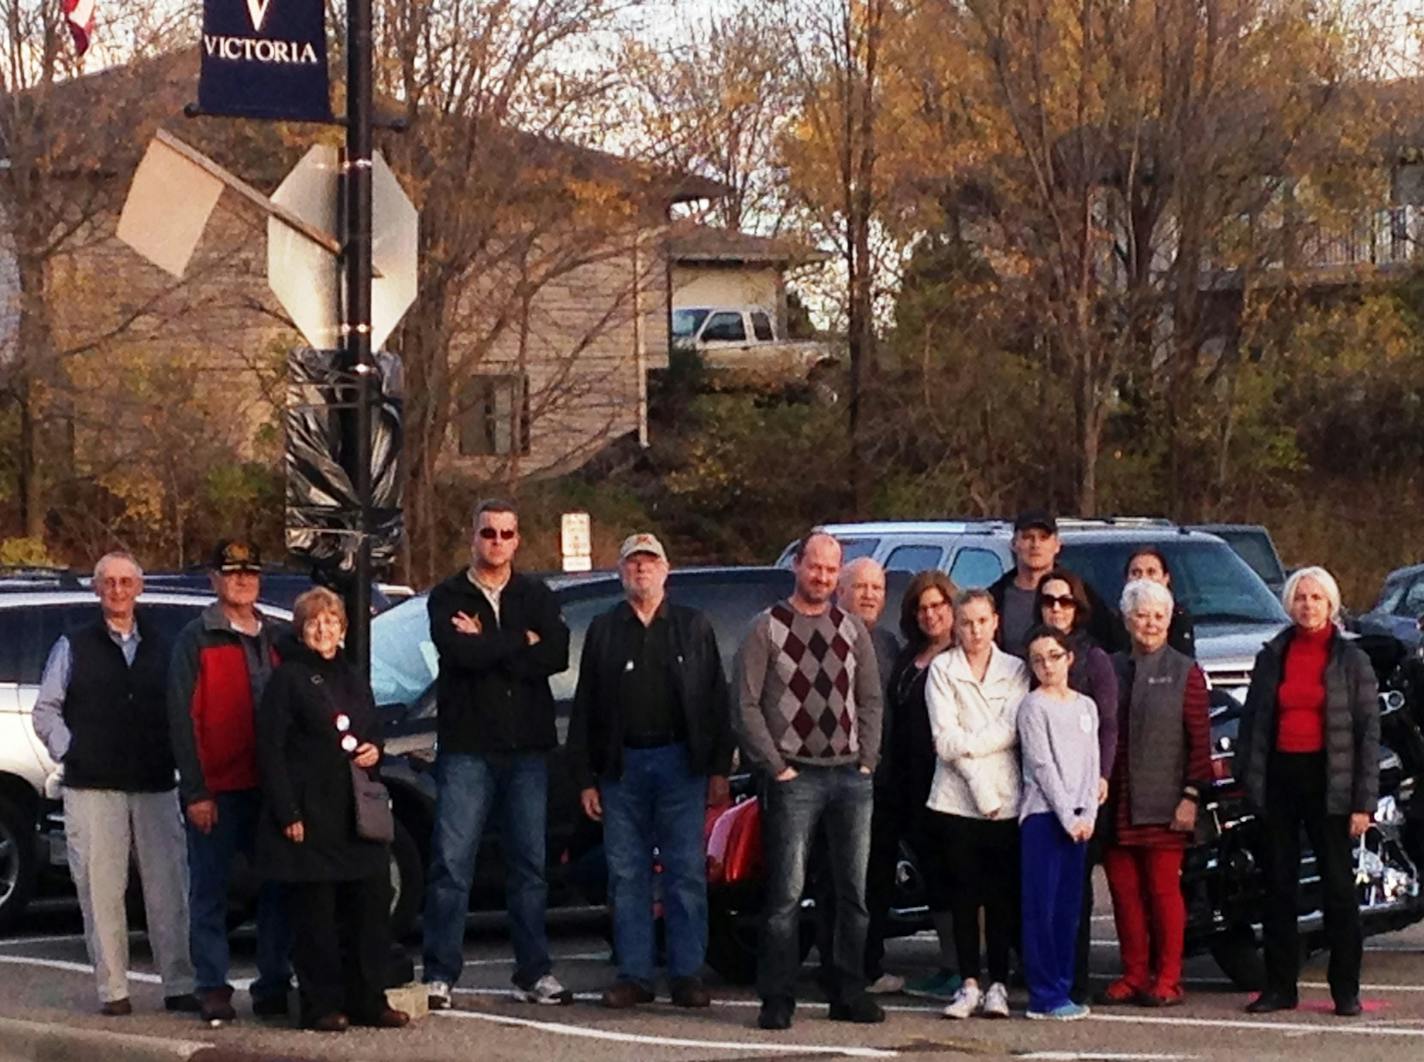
x: 624, y: 994
x: 333, y: 1022
x: 390, y: 1018
x: 217, y: 1004
x: 117, y: 1008
x: 690, y: 992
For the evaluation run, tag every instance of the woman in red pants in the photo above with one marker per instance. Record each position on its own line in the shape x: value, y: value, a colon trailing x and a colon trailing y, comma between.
x: 1162, y: 767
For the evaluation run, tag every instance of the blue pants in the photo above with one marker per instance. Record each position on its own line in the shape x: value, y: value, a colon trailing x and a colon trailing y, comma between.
x: 210, y: 863
x: 656, y: 810
x: 1052, y: 903
x: 470, y: 788
x: 841, y: 797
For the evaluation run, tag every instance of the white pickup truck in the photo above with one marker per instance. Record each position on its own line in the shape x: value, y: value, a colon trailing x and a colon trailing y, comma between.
x: 740, y: 347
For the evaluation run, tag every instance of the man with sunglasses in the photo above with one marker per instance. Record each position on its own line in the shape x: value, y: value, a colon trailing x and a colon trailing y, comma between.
x: 500, y: 637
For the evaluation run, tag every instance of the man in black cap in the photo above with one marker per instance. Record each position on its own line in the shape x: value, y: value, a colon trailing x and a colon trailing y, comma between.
x: 221, y: 663
x: 1036, y: 546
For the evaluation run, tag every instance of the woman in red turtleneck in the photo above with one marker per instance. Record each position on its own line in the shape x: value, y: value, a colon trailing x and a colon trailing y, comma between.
x: 1309, y: 755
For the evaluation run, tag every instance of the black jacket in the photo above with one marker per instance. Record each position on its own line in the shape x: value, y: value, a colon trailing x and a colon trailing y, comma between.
x: 306, y: 775
x: 493, y: 690
x: 1352, y: 725
x: 116, y: 714
x: 595, y: 728
x: 1103, y: 626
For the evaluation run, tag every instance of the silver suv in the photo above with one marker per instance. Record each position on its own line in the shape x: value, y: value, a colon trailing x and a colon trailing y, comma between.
x: 30, y: 622
x: 1234, y: 611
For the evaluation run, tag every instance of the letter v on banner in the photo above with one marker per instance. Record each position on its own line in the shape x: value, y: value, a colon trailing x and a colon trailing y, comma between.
x: 265, y: 59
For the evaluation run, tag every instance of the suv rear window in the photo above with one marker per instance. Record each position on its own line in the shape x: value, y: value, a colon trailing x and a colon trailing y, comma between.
x: 28, y: 632
x: 1208, y: 577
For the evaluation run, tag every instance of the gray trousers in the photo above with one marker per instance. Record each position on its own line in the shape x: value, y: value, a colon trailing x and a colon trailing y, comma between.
x: 101, y: 828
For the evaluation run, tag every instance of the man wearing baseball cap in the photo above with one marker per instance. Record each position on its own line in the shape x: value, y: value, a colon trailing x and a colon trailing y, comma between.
x: 650, y: 742
x: 221, y: 663
x: 1035, y: 547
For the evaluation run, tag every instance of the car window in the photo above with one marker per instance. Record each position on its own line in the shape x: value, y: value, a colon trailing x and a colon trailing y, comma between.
x: 761, y: 327
x: 403, y: 661
x: 1255, y: 549
x: 1412, y: 603
x: 578, y: 614
x: 731, y: 606
x: 851, y: 548
x: 686, y: 322
x: 726, y: 327
x: 913, y: 558
x: 1208, y: 577
x: 975, y: 568
x: 1391, y: 594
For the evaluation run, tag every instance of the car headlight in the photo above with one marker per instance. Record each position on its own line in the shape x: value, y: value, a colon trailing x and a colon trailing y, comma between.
x: 1390, y: 701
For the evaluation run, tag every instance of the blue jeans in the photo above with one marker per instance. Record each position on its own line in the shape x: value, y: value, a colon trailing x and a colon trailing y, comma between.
x: 1052, y: 868
x: 470, y: 787
x: 842, y: 797
x: 656, y: 810
x: 210, y: 859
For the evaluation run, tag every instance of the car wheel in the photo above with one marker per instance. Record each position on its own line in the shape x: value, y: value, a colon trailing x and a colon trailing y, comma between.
x: 19, y: 861
x: 732, y: 938
x: 1240, y: 959
x: 407, y: 882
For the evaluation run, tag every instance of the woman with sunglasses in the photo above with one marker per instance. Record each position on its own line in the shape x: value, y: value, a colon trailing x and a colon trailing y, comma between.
x: 1063, y: 605
x: 1058, y: 739
x: 317, y: 719
x: 927, y: 623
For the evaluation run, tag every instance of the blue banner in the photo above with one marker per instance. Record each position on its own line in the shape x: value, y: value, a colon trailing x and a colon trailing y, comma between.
x: 265, y: 59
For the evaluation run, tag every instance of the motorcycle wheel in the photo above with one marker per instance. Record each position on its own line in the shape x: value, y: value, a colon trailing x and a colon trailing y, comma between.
x: 1240, y: 959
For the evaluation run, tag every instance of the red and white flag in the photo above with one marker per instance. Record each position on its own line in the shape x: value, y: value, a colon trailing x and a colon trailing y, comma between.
x: 80, y: 15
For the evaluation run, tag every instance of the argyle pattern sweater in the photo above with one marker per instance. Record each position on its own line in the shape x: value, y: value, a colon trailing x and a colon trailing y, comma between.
x: 809, y: 691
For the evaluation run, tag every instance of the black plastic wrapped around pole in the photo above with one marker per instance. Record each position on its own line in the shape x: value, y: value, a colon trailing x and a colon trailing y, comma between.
x: 357, y: 317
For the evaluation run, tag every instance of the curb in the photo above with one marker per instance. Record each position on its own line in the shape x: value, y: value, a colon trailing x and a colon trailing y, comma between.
x: 35, y: 1041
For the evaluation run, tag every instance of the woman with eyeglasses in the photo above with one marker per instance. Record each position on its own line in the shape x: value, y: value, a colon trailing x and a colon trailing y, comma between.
x: 1160, y: 771
x: 927, y: 623
x: 1058, y: 742
x: 1309, y: 757
x: 973, y: 693
x: 1063, y: 605
x: 317, y: 718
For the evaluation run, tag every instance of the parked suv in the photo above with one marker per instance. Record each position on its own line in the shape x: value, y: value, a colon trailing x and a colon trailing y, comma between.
x: 1235, y: 612
x: 31, y: 619
x: 1400, y: 607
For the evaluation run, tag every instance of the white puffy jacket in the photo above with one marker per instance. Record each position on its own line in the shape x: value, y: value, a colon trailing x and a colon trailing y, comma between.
x: 975, y: 728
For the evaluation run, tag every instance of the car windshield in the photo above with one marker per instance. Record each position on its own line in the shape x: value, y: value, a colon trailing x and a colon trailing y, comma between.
x: 1255, y: 549
x: 403, y: 660
x: 1208, y: 577
x: 686, y: 322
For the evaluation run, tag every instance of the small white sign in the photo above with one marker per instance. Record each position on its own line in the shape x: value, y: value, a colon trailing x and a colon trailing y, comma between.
x: 576, y: 542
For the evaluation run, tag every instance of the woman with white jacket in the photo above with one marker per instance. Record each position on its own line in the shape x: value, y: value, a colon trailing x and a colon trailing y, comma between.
x: 973, y: 693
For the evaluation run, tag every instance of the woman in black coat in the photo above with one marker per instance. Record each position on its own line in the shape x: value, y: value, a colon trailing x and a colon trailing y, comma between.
x: 317, y: 718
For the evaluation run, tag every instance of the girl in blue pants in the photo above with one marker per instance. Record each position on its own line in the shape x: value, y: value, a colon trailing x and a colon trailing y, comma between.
x: 1058, y: 740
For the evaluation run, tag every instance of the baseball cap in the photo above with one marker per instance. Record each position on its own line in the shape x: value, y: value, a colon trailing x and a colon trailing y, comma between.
x: 641, y: 543
x: 236, y: 555
x: 1040, y: 518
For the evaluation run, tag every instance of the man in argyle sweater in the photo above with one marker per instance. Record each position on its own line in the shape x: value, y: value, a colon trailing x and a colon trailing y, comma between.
x: 808, y: 720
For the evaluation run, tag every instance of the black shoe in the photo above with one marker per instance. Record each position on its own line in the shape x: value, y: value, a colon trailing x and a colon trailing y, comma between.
x: 624, y: 994
x: 187, y: 1003
x: 1270, y: 1002
x: 689, y: 992
x: 862, y: 1010
x: 776, y: 1013
x: 216, y: 1005
x: 1348, y: 1008
x: 273, y: 1006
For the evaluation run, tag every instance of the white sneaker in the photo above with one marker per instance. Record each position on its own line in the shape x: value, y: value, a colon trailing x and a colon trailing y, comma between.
x: 967, y: 1001
x: 886, y: 984
x: 546, y: 991
x: 437, y: 995
x: 996, y: 1001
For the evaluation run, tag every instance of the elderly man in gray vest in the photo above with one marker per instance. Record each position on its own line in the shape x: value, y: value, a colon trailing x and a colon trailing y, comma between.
x: 102, y: 714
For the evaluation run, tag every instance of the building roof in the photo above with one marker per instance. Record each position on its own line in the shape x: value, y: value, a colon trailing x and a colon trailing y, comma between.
x: 690, y: 243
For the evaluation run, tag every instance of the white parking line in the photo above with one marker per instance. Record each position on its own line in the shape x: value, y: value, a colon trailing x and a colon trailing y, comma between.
x: 588, y: 1033
x: 1101, y: 1056
x: 56, y: 938
x: 1316, y: 1028
x: 84, y: 967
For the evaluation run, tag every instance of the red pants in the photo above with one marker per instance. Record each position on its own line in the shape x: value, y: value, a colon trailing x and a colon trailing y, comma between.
x: 1150, y: 914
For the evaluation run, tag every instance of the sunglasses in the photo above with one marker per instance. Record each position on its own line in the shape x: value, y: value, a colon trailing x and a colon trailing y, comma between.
x: 491, y: 533
x: 1062, y: 602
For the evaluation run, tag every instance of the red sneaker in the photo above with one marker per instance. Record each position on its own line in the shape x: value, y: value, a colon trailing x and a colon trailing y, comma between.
x: 1120, y: 992
x: 1164, y: 996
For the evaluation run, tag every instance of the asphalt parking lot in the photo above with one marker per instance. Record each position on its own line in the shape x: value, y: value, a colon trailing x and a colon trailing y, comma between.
x: 47, y: 1011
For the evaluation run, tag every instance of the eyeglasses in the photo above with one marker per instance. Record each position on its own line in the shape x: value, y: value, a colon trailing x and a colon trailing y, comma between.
x: 490, y: 533
x: 933, y: 606
x: 1047, y: 658
x: 122, y: 582
x: 1066, y: 601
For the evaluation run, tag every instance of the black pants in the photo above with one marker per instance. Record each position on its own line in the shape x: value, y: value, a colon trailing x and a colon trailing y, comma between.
x: 342, y: 946
x: 982, y: 861
x: 1295, y: 797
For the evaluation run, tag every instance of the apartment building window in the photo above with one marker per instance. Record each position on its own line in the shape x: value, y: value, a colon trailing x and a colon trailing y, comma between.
x: 494, y: 415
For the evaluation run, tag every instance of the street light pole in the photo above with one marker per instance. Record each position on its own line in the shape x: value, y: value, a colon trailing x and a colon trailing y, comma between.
x: 356, y: 451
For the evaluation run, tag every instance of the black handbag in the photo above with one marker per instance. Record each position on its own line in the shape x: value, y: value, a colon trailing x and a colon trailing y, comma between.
x: 374, y: 818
